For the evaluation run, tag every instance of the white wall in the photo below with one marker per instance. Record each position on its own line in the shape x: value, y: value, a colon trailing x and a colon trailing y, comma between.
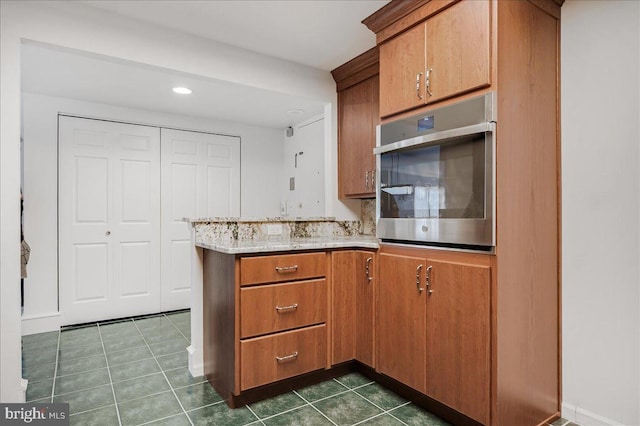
x: 261, y: 174
x: 11, y: 388
x: 307, y: 197
x: 601, y: 212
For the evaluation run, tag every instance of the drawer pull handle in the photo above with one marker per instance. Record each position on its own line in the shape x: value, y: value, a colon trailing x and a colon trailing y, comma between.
x: 287, y: 268
x: 366, y: 269
x: 287, y: 308
x: 287, y: 358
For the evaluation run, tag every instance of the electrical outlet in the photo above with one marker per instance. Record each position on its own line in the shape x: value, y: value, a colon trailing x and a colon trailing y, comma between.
x: 274, y: 229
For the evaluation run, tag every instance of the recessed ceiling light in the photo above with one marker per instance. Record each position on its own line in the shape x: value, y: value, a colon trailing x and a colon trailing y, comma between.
x: 182, y: 90
x: 295, y: 112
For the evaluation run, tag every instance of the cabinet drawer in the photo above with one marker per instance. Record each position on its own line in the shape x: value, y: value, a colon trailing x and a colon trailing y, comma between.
x: 279, y: 356
x: 271, y: 269
x: 276, y: 307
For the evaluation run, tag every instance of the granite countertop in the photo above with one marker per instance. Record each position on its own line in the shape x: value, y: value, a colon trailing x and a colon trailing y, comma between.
x: 309, y: 243
x: 258, y: 219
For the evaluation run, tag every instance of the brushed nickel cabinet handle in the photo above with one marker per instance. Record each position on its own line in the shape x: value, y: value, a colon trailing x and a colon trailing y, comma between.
x: 287, y: 308
x: 427, y: 81
x: 287, y: 357
x: 418, y: 85
x: 427, y: 280
x: 418, y: 269
x: 292, y: 268
x: 367, y: 270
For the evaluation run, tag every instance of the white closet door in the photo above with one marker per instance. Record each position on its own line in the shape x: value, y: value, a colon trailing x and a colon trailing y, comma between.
x: 200, y: 178
x: 109, y: 219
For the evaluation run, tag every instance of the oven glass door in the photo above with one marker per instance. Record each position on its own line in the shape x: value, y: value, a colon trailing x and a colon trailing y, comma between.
x: 444, y: 180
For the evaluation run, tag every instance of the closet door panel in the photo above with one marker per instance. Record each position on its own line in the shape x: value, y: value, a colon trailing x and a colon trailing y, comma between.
x: 108, y: 219
x: 200, y: 178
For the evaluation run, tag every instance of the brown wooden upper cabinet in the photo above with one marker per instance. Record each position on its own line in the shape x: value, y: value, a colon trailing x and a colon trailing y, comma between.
x: 444, y: 56
x: 358, y: 87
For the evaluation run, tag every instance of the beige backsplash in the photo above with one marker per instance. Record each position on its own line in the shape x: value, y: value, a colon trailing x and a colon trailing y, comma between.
x: 260, y: 229
x: 368, y: 217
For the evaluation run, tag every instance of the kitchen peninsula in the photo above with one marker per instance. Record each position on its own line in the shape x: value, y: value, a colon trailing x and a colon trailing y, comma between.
x: 262, y: 299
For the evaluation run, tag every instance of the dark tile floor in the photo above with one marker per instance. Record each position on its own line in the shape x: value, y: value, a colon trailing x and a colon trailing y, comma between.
x: 135, y: 372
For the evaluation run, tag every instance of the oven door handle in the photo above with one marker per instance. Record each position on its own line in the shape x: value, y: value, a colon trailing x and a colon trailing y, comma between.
x: 437, y: 137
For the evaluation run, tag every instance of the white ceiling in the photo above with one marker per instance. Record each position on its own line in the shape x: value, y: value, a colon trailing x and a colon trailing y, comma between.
x: 93, y: 78
x: 318, y: 33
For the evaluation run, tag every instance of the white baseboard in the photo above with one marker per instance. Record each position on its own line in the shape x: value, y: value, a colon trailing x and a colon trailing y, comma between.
x: 586, y: 418
x: 196, y: 366
x: 23, y: 390
x: 41, y: 323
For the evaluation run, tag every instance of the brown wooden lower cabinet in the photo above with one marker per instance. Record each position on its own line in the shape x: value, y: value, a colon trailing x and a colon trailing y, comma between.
x: 433, y: 325
x: 421, y: 317
x: 353, y: 287
x: 264, y: 318
x: 401, y: 326
x: 458, y: 335
x: 365, y: 283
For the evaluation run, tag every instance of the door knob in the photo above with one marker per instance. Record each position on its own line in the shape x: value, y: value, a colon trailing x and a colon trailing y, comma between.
x: 107, y: 233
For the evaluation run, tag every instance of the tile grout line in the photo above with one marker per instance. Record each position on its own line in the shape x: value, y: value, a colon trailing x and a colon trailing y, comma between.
x: 288, y: 410
x: 402, y: 405
x: 91, y: 409
x: 352, y: 390
x: 160, y: 419
x: 324, y: 397
x: 55, y: 370
x: 83, y: 389
x: 113, y: 390
x: 190, y: 384
x: 205, y: 406
x: 255, y: 415
x: 370, y: 418
x: 162, y: 371
x: 116, y: 365
x: 185, y: 412
x: 384, y: 411
x: 315, y: 408
x: 177, y: 328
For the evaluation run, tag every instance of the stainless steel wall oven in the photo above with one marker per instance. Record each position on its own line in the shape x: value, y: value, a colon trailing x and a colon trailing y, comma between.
x: 436, y: 177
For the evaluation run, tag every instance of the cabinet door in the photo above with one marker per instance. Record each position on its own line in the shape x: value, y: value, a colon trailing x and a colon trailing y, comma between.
x: 365, y: 288
x: 343, y: 312
x: 401, y: 323
x: 458, y: 337
x: 358, y: 118
x: 402, y: 62
x: 458, y: 49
